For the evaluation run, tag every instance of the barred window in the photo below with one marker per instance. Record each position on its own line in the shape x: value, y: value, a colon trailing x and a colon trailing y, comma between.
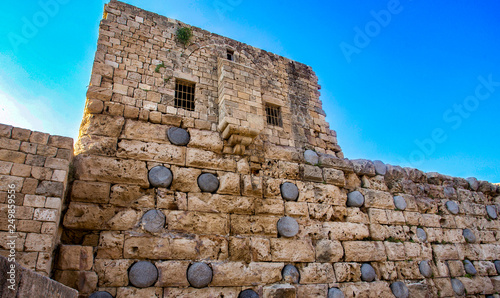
x: 184, y: 95
x: 273, y: 115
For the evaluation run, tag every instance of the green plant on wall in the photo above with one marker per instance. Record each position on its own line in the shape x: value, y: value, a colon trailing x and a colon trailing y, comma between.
x: 184, y: 34
x: 157, y: 69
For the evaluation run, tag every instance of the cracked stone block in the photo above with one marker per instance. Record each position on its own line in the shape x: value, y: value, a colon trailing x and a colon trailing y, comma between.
x: 280, y: 291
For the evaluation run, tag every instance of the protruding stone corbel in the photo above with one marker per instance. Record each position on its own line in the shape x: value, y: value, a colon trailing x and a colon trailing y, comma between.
x: 238, y: 137
x: 241, y: 116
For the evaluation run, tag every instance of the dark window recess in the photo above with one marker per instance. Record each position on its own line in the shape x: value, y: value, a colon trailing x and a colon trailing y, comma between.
x: 184, y: 95
x: 230, y: 55
x: 273, y: 115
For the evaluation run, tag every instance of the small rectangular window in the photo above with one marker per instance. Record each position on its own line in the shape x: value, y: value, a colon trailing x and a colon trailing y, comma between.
x: 230, y: 55
x: 184, y: 95
x: 273, y: 115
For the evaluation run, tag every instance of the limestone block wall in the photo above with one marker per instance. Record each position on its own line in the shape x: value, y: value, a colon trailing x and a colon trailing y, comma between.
x: 27, y: 283
x: 165, y: 204
x: 431, y: 232
x: 34, y: 168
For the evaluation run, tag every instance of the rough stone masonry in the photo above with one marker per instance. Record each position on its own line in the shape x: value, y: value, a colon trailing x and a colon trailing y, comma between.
x: 207, y: 169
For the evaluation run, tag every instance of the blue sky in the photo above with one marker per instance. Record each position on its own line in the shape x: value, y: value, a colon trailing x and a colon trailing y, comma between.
x: 412, y: 83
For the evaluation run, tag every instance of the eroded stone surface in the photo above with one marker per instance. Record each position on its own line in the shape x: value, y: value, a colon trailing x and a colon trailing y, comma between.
x: 291, y: 250
x: 178, y: 136
x: 400, y: 202
x: 208, y: 182
x: 143, y: 274
x: 153, y: 221
x: 239, y: 273
x: 75, y: 257
x: 363, y: 167
x: 172, y: 273
x: 355, y: 199
x: 160, y: 176
x: 199, y: 275
x: 288, y: 227
x: 280, y: 291
x: 452, y: 207
x: 364, y: 251
x: 329, y: 251
x: 368, y: 273
x: 400, y: 290
x: 291, y: 274
x: 112, y: 170
x: 206, y: 139
x: 289, y: 191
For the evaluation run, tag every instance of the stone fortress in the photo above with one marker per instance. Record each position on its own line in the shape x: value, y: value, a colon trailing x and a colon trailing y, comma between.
x: 205, y: 168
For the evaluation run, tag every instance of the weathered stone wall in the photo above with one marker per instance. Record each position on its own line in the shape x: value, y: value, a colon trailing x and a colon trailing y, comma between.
x: 26, y: 283
x: 215, y: 202
x: 34, y: 169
